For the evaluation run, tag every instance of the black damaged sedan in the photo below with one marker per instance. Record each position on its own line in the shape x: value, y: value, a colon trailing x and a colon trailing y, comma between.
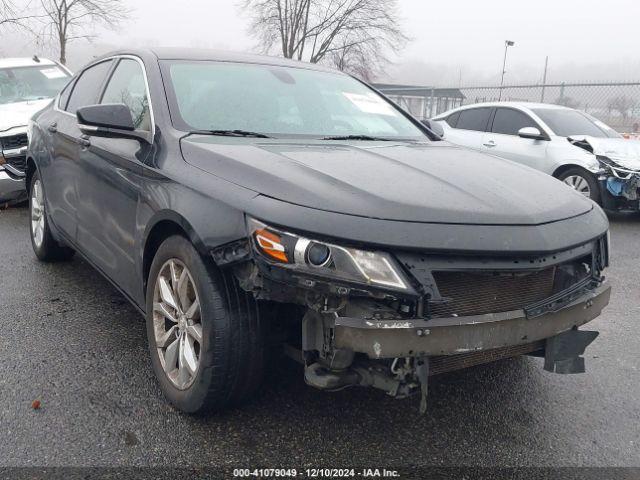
x: 240, y: 202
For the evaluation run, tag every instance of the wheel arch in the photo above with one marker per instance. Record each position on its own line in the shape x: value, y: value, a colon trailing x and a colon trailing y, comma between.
x: 569, y: 166
x: 30, y: 171
x: 599, y: 190
x: 164, y: 225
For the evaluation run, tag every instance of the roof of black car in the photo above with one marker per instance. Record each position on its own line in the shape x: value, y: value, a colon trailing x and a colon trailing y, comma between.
x: 171, y: 53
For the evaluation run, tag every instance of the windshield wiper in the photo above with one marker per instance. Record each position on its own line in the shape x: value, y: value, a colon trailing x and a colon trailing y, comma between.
x: 357, y: 137
x: 231, y: 133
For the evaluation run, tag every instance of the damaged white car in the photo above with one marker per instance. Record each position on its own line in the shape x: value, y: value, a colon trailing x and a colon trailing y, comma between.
x: 27, y: 85
x: 569, y: 144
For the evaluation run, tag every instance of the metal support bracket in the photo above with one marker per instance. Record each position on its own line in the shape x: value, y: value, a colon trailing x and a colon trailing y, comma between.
x: 422, y: 372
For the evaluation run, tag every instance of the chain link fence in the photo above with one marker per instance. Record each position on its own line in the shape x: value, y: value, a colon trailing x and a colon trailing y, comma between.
x: 616, y: 104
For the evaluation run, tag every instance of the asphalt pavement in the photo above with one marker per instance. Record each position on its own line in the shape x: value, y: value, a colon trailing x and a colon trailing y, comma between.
x: 69, y: 340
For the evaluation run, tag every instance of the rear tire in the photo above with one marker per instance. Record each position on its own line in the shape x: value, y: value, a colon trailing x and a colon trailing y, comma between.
x: 44, y: 245
x: 583, y: 182
x: 226, y: 365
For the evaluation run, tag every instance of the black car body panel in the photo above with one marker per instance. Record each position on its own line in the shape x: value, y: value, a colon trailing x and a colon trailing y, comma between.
x: 437, y: 237
x: 115, y: 199
x: 431, y: 182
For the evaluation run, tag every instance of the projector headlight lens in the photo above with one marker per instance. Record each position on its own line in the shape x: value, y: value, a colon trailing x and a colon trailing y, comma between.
x: 318, y: 254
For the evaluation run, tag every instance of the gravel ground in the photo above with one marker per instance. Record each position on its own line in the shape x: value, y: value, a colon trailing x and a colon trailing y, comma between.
x: 70, y: 340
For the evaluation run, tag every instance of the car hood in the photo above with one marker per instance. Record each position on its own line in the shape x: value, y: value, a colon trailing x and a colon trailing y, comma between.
x: 625, y: 153
x: 428, y: 182
x: 18, y: 114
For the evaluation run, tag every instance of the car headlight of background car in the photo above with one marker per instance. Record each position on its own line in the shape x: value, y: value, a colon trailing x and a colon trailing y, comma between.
x: 324, y: 259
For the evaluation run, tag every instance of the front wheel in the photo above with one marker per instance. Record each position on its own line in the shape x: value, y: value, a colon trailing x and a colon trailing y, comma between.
x: 583, y: 182
x: 44, y: 245
x: 205, y: 333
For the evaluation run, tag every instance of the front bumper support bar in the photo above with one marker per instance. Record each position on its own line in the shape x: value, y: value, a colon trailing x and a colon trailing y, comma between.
x: 380, y: 339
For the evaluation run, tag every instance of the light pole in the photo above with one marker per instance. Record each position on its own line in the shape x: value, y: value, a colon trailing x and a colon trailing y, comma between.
x: 507, y: 44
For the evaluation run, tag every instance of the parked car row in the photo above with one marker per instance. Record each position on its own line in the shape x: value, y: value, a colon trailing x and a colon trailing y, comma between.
x: 237, y: 201
x: 570, y: 145
x: 26, y: 86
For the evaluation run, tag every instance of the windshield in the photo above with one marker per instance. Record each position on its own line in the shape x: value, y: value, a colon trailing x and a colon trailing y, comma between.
x: 280, y: 101
x: 567, y: 123
x: 31, y: 83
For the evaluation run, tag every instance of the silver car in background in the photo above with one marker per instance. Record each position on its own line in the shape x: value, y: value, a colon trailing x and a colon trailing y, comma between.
x: 569, y: 144
x: 27, y: 85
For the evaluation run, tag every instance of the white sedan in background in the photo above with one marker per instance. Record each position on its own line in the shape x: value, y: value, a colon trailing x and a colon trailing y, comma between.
x: 571, y: 145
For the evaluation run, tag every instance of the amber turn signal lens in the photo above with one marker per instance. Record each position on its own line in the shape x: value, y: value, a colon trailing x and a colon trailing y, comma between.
x: 2, y: 161
x: 271, y: 245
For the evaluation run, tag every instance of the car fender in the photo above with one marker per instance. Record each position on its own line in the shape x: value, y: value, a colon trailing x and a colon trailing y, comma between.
x: 563, y: 154
x: 207, y: 222
x: 173, y: 217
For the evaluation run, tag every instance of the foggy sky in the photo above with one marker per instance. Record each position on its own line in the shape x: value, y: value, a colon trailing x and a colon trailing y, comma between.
x: 451, y: 40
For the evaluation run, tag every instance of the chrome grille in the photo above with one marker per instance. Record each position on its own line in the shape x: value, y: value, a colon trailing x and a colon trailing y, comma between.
x: 14, y: 141
x: 18, y: 163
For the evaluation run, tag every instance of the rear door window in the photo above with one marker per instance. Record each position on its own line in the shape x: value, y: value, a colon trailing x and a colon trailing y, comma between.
x: 87, y: 87
x: 474, y: 119
x: 509, y: 121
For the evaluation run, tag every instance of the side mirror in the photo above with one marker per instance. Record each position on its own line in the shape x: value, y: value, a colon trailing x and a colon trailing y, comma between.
x: 532, y: 133
x: 435, y: 127
x: 108, y: 120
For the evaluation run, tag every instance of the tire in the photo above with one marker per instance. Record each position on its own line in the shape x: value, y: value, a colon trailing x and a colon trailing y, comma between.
x: 44, y: 245
x: 230, y: 353
x: 583, y: 182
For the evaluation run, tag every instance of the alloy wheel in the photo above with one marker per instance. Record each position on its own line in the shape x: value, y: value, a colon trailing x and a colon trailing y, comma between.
x: 177, y: 324
x: 579, y: 184
x: 37, y: 213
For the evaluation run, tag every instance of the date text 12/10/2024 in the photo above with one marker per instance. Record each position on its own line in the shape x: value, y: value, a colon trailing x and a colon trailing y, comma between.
x: 315, y: 473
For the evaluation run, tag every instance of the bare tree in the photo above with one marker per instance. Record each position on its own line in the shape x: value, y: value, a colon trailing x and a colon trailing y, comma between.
x: 621, y: 104
x: 11, y: 15
x: 68, y: 20
x: 353, y: 35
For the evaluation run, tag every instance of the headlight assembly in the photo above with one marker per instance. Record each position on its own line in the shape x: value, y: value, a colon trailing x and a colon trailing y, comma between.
x: 325, y: 259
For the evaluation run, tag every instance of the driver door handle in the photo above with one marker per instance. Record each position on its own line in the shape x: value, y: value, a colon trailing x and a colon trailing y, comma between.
x: 53, y: 127
x: 490, y: 144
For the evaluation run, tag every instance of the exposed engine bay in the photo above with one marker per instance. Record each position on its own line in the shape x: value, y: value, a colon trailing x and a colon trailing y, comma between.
x: 619, y: 175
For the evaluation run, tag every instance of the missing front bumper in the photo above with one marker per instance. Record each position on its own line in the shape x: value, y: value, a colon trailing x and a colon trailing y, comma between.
x: 421, y: 348
x: 379, y: 339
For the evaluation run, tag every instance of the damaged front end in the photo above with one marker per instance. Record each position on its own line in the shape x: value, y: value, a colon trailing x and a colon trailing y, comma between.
x: 392, y: 319
x: 619, y: 173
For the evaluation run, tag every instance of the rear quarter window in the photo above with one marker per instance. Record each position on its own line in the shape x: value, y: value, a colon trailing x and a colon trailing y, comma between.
x: 452, y: 119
